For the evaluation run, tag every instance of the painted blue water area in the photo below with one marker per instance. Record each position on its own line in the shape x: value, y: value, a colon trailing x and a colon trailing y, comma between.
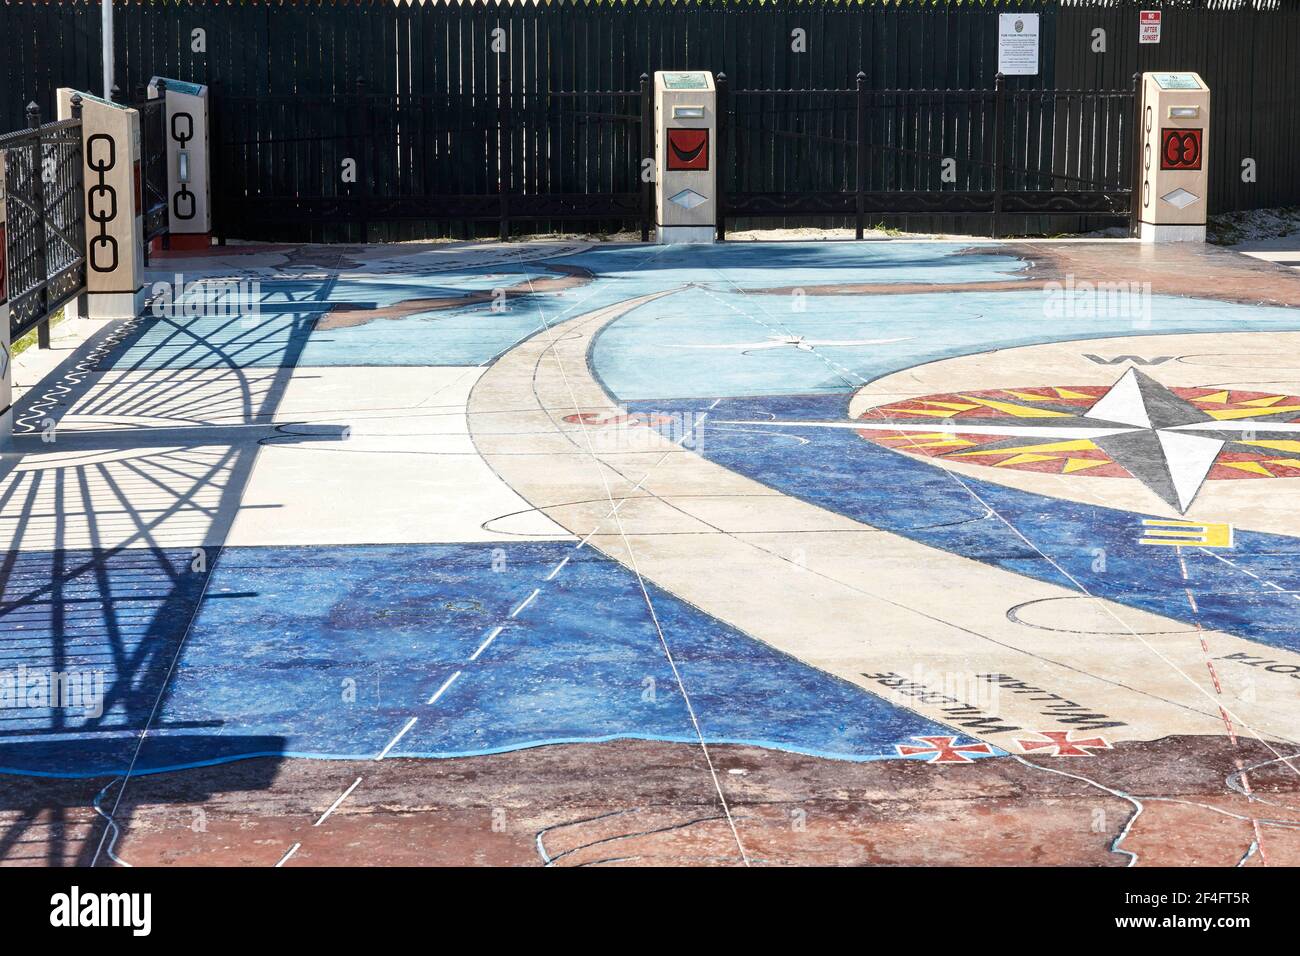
x: 329, y: 652
x: 283, y: 330
x: 113, y: 621
x: 842, y: 472
x: 665, y: 348
x: 751, y: 265
x: 460, y: 337
x: 283, y: 339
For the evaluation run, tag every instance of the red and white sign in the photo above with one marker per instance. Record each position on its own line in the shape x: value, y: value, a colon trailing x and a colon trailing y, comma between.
x: 1149, y: 26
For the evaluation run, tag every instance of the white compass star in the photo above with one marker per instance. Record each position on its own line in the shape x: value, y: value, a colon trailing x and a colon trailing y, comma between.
x: 1164, y: 441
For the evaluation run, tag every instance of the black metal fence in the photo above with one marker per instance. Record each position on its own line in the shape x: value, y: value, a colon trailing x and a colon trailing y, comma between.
x: 1011, y: 159
x: 361, y: 166
x: 45, y: 211
x: 1245, y: 49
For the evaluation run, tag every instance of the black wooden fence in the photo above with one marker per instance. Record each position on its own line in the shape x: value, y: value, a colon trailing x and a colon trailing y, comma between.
x: 1003, y: 160
x: 420, y: 164
x: 1245, y: 49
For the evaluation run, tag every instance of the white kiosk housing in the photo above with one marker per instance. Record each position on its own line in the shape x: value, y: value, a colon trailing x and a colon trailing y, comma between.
x: 110, y: 135
x: 189, y: 181
x: 686, y: 167
x: 1175, y: 140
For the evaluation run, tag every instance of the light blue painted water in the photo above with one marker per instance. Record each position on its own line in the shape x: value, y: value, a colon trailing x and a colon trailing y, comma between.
x: 283, y: 333
x: 654, y: 351
x: 751, y: 265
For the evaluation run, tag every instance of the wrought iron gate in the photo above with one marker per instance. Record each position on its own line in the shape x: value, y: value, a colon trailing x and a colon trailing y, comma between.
x: 860, y: 153
x: 46, y: 219
x: 295, y: 166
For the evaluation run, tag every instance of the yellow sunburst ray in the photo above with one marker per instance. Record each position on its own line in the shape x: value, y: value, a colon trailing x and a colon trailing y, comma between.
x: 1019, y: 411
x: 1253, y: 467
x: 1263, y: 402
x: 1279, y: 444
x: 1030, y: 396
x: 1074, y: 444
x: 928, y: 412
x: 1080, y: 464
x: 1229, y: 414
x: 1026, y: 460
x: 946, y: 443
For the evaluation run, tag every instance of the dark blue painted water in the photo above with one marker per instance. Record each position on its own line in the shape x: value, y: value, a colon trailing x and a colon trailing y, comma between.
x: 843, y: 472
x: 328, y: 652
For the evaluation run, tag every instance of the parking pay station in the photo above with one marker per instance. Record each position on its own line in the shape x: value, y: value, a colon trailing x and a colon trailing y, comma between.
x: 1175, y: 131
x: 188, y: 178
x: 686, y: 126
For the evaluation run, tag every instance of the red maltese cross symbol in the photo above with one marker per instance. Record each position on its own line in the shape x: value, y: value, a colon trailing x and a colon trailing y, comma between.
x: 943, y: 750
x: 1062, y: 745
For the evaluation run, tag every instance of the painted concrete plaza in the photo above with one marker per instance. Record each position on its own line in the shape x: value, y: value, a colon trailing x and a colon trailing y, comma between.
x: 559, y: 552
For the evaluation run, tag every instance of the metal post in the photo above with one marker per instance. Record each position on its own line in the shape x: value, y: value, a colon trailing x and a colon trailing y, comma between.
x: 1135, y: 198
x: 142, y: 94
x: 42, y: 240
x: 364, y: 133
x: 720, y: 181
x: 161, y: 87
x: 106, y: 28
x: 81, y: 306
x: 861, y: 162
x: 647, y: 152
x: 999, y: 151
x: 220, y: 215
x: 503, y: 172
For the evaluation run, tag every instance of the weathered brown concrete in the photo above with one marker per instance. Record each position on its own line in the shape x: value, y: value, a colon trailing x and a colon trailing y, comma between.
x: 1186, y: 269
x: 570, y: 277
x: 641, y: 803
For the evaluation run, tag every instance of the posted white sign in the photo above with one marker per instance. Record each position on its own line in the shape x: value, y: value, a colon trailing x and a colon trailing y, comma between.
x: 1149, y: 26
x: 1018, y: 44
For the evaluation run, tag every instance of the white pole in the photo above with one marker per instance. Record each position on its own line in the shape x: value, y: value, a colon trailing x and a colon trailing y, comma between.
x: 106, y: 22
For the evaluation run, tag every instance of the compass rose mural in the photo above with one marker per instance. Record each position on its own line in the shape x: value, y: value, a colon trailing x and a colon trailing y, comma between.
x: 1170, y: 439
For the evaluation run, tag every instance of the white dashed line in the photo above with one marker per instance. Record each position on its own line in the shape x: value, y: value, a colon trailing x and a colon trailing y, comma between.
x: 527, y: 601
x: 335, y: 805
x: 400, y: 734
x: 1232, y: 564
x: 559, y: 567
x: 445, y: 684
x: 292, y: 850
x: 492, y: 636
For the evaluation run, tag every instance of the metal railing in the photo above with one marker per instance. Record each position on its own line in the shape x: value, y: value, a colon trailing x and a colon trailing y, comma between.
x: 46, y: 219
